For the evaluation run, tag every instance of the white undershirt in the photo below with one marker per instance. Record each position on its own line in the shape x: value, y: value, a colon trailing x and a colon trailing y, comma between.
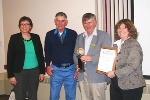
x: 60, y: 33
x: 119, y: 43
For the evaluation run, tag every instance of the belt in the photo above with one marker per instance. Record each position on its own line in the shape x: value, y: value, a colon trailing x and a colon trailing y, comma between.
x: 64, y: 65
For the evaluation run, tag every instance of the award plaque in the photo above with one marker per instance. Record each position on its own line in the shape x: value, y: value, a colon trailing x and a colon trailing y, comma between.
x: 80, y: 52
x: 107, y: 59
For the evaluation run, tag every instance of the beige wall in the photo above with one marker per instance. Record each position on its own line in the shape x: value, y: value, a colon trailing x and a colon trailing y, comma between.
x: 42, y: 13
x: 2, y: 53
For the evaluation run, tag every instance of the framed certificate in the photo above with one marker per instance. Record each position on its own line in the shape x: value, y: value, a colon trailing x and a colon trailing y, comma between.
x: 107, y: 59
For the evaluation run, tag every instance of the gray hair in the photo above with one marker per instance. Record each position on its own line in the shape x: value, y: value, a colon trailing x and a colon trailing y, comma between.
x: 87, y: 16
x: 61, y: 14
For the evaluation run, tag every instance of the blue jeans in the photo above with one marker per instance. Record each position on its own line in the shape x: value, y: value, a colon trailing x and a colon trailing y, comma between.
x: 66, y: 77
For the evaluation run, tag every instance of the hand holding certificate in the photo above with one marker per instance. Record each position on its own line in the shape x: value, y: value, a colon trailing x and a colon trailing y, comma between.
x: 107, y: 59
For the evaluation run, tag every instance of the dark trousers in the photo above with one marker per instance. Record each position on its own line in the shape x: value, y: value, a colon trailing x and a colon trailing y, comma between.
x: 27, y: 83
x: 116, y: 93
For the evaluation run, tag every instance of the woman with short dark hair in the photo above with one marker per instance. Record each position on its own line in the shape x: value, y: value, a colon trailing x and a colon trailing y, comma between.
x: 25, y: 61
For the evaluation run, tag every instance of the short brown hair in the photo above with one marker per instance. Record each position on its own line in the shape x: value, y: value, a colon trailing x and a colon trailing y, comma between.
x: 26, y: 18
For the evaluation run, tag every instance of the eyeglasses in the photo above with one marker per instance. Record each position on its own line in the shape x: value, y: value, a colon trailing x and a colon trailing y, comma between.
x: 26, y: 24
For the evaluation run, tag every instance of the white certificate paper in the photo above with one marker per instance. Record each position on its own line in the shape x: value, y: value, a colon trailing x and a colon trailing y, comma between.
x: 107, y: 59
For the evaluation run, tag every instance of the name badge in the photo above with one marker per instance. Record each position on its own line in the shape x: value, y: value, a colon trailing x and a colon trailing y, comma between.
x: 93, y: 45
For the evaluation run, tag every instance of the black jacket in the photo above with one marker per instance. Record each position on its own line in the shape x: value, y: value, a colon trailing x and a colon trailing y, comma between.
x: 16, y: 54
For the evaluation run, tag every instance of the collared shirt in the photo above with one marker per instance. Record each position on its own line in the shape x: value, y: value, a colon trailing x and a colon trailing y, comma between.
x: 119, y: 43
x: 60, y: 35
x: 88, y: 40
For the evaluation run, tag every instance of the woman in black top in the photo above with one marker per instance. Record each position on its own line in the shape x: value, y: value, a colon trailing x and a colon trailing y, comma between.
x: 25, y: 61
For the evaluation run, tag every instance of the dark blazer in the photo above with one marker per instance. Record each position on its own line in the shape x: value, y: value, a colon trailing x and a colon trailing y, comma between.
x: 16, y: 54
